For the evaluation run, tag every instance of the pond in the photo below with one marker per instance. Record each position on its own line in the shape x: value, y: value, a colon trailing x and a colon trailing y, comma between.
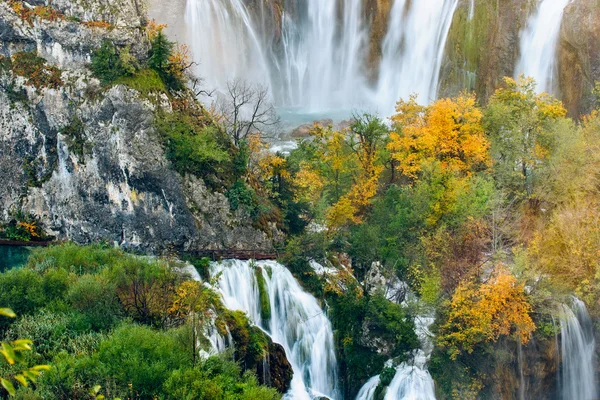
x: 13, y: 256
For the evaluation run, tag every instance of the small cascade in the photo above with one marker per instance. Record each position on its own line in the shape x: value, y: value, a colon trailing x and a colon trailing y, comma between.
x: 367, y: 392
x: 413, y: 49
x: 539, y: 42
x: 471, y: 10
x: 296, y: 322
x: 577, y: 349
x: 412, y: 381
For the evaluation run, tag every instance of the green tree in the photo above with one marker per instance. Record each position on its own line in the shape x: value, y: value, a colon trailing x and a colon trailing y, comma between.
x: 160, y: 51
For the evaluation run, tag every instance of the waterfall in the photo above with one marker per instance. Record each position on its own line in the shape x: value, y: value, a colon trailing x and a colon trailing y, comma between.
x: 539, y: 42
x: 412, y: 381
x: 315, y: 59
x: 296, y: 322
x: 367, y: 392
x: 578, y: 378
x: 471, y: 10
x: 413, y: 49
x: 224, y: 42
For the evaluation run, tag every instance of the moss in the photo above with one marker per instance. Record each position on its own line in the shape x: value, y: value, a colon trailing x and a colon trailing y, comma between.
x: 265, y: 304
x: 34, y: 171
x: 75, y: 138
x: 145, y: 81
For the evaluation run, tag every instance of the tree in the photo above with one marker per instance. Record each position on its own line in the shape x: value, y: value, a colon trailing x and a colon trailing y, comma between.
x: 449, y: 131
x: 161, y: 50
x: 483, y: 313
x: 517, y: 121
x: 245, y: 109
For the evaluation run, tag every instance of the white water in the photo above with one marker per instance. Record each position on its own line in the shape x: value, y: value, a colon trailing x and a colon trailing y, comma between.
x: 318, y: 64
x: 412, y: 380
x: 224, y: 42
x: 413, y: 49
x: 297, y: 322
x: 539, y: 42
x: 368, y: 390
x: 577, y: 379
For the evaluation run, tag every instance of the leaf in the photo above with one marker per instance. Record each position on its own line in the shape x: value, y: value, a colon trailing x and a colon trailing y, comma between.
x: 21, y: 379
x: 8, y: 386
x: 8, y: 353
x: 7, y: 312
x: 42, y: 367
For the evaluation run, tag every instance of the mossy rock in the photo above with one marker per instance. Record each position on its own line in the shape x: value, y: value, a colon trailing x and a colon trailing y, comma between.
x: 255, y: 351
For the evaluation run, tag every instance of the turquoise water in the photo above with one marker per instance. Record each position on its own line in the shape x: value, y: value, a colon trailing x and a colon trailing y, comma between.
x: 13, y: 256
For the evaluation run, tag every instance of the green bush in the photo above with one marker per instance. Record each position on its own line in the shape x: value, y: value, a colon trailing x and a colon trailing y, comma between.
x: 80, y: 260
x: 216, y: 379
x: 96, y: 299
x: 22, y: 291
x: 191, y: 147
x: 109, y: 63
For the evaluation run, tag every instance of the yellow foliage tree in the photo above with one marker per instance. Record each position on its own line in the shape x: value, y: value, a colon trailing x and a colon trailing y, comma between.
x: 483, y: 313
x: 449, y: 131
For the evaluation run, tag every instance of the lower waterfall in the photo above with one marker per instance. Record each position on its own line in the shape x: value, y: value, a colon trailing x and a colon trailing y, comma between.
x: 412, y: 381
x: 297, y: 322
x: 577, y: 350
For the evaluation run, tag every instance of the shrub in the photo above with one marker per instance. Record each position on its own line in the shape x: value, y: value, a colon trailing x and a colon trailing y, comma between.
x: 75, y: 137
x: 191, y: 147
x: 96, y: 299
x: 77, y: 259
x: 216, y: 379
x: 142, y: 357
x: 35, y: 70
x: 110, y: 63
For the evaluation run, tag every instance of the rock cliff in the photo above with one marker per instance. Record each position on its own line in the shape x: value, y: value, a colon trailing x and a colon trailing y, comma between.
x: 85, y: 158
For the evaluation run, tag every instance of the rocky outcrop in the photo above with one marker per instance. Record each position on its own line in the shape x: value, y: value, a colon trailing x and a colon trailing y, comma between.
x: 112, y: 182
x: 579, y: 55
x: 481, y: 51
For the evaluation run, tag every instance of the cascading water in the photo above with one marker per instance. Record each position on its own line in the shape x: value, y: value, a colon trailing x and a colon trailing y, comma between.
x: 413, y: 50
x: 539, y: 42
x: 224, y: 42
x: 577, y: 349
x: 318, y: 64
x: 296, y: 322
x: 412, y: 381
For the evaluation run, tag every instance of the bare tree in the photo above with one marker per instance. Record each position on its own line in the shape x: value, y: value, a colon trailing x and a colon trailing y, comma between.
x: 245, y: 109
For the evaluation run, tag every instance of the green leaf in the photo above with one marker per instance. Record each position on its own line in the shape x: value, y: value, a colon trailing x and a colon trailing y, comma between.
x: 7, y: 312
x: 8, y: 352
x: 21, y: 379
x: 8, y: 386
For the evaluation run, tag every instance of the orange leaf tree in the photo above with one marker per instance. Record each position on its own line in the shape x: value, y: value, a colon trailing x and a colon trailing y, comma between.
x: 483, y: 313
x: 449, y: 131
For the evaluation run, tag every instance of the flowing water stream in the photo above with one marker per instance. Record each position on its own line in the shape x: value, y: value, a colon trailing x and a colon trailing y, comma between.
x: 577, y: 350
x: 297, y: 322
x: 539, y: 42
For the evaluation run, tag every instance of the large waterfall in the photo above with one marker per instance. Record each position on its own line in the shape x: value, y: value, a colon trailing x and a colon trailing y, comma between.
x: 313, y: 54
x: 539, y: 42
x: 413, y: 50
x: 296, y: 322
x: 577, y: 379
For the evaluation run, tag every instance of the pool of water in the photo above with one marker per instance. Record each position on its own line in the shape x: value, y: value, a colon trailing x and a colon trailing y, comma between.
x: 13, y: 256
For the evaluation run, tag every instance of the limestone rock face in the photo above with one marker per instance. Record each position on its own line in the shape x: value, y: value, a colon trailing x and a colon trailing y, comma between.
x: 579, y: 55
x: 114, y: 183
